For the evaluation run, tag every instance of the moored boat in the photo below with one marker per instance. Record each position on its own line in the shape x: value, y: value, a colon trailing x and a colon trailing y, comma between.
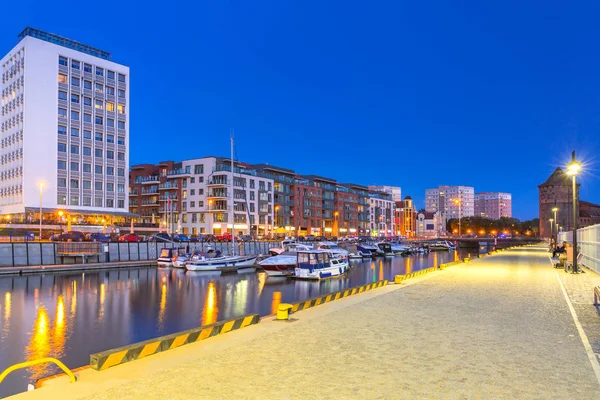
x: 220, y: 263
x: 334, y: 249
x: 168, y: 255
x: 317, y: 264
x: 367, y: 250
x: 386, y: 249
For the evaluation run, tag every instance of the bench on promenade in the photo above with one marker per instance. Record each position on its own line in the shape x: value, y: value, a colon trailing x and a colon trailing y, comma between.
x: 74, y: 250
x: 597, y: 295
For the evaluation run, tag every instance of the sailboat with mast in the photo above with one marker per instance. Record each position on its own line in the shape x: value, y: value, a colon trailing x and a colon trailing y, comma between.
x: 227, y: 262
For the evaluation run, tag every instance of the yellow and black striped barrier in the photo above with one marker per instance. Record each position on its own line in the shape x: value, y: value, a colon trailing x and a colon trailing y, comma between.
x: 110, y: 358
x: 336, y: 296
x: 403, y: 277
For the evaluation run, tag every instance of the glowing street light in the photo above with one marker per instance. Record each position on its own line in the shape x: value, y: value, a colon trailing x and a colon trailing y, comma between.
x: 573, y: 169
x: 457, y: 201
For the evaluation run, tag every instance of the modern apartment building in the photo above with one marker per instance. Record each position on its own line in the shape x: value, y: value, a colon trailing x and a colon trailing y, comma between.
x: 452, y: 201
x: 493, y: 205
x: 283, y: 185
x: 207, y: 200
x: 395, y: 191
x: 155, y: 193
x: 382, y: 214
x: 64, y: 129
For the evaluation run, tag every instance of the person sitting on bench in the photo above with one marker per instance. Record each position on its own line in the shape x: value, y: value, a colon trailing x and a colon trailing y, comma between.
x: 559, y: 250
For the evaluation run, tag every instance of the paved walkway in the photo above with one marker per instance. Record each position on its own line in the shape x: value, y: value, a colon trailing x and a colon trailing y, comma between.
x: 499, y: 327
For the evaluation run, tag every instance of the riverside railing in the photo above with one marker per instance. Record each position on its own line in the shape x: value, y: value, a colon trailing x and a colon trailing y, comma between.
x: 588, y: 239
x: 54, y: 253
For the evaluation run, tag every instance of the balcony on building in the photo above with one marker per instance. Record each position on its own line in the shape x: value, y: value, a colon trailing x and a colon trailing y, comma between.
x: 217, y: 206
x: 180, y: 173
x: 150, y: 203
x: 145, y: 180
x: 168, y: 186
x: 167, y: 198
x: 226, y: 167
x: 219, y: 193
x: 149, y: 191
x: 219, y: 180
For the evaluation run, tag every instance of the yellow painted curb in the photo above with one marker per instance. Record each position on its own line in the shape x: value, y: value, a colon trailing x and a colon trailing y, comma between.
x: 336, y: 296
x: 400, y: 278
x: 110, y: 358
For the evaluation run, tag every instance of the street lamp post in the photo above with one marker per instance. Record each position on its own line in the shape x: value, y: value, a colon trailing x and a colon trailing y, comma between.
x: 555, y: 237
x: 573, y: 169
x: 41, y: 211
x: 457, y: 201
x: 551, y: 220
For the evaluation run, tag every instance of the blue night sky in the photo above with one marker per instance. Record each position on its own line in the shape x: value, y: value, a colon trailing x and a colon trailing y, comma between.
x: 414, y: 94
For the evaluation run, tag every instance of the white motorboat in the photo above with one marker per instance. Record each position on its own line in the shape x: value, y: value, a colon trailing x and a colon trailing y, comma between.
x: 367, y: 250
x: 284, y: 263
x: 288, y: 246
x: 334, y: 249
x: 221, y: 263
x: 441, y: 245
x: 386, y: 249
x: 317, y: 264
x: 398, y: 248
x: 182, y: 260
x: 168, y: 256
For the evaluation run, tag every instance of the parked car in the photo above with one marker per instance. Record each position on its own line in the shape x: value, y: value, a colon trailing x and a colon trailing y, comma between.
x: 160, y: 237
x: 225, y: 237
x: 309, y: 238
x: 72, y: 236
x: 131, y: 238
x: 245, y: 238
x: 98, y: 237
x: 179, y: 237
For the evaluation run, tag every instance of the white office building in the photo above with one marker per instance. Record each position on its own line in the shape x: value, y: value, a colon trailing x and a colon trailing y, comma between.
x: 394, y: 191
x: 451, y: 201
x: 64, y: 128
x: 207, y: 198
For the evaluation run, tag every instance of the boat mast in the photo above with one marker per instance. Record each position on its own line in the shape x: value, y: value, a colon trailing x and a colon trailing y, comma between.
x: 232, y: 214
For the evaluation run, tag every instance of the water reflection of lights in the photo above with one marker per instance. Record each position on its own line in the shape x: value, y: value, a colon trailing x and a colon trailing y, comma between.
x: 210, y: 311
x: 59, y: 332
x: 262, y: 279
x: 74, y: 300
x: 380, y: 271
x: 435, y: 259
x: 162, y: 306
x: 276, y: 302
x: 102, y: 298
x: 7, y: 306
x: 408, y: 262
x: 240, y: 297
x: 39, y: 344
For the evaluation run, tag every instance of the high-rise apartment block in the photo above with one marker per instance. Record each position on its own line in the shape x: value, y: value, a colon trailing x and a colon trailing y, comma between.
x: 394, y: 191
x: 493, y: 205
x: 452, y: 201
x: 64, y: 129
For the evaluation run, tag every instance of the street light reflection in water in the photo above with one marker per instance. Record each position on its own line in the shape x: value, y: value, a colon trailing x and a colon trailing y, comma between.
x: 75, y: 315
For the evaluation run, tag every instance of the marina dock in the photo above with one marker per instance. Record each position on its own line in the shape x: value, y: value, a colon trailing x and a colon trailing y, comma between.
x: 505, y: 326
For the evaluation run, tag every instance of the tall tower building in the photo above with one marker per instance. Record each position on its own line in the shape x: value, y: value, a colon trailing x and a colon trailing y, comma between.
x: 493, y: 205
x: 451, y: 201
x: 557, y: 192
x: 64, y: 128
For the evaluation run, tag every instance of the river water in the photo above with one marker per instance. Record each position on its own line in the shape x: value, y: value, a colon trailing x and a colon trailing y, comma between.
x: 72, y: 315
